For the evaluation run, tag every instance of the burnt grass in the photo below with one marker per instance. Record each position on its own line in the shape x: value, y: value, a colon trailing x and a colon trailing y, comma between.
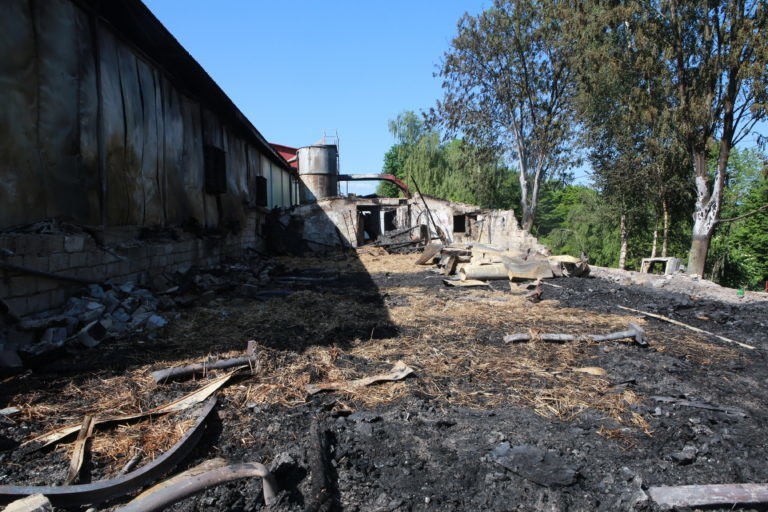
x: 705, y: 416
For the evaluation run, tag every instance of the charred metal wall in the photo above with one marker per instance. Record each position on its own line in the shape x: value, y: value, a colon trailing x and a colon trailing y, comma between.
x: 93, y: 130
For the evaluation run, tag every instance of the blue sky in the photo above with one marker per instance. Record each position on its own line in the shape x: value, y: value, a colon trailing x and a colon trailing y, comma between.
x: 298, y: 69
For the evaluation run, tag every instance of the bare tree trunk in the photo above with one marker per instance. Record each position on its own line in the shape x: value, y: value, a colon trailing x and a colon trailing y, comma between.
x: 665, y: 236
x: 707, y: 207
x: 655, y: 239
x: 526, y: 219
x: 623, y: 250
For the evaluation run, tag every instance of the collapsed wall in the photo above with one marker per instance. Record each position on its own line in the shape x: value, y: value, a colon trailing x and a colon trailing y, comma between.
x: 354, y: 221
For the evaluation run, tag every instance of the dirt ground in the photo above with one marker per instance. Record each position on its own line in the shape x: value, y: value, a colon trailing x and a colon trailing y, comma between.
x: 594, y: 425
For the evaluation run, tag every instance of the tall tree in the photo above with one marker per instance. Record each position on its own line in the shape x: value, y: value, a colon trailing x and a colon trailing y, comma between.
x: 507, y: 88
x: 636, y: 157
x: 708, y: 60
x: 452, y: 170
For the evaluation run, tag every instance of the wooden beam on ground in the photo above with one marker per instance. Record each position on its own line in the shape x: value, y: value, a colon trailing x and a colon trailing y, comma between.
x: 710, y: 495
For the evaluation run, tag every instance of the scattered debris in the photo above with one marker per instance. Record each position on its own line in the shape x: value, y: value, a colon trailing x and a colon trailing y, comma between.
x: 249, y: 360
x: 323, y: 487
x: 78, y: 452
x: 591, y: 370
x: 535, y: 295
x: 208, y: 474
x: 635, y: 332
x: 728, y: 495
x: 543, y: 467
x: 467, y: 283
x: 398, y: 372
x: 182, y: 403
x: 33, y: 503
x: 735, y: 411
x: 486, y: 262
x: 69, y: 496
x: 681, y: 324
x: 429, y: 253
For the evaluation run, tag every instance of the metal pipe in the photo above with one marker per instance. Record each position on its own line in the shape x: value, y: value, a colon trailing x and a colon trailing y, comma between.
x: 378, y: 177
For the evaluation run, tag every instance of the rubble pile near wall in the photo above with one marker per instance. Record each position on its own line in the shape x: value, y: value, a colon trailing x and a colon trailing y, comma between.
x: 104, y: 311
x: 100, y: 313
x: 487, y: 262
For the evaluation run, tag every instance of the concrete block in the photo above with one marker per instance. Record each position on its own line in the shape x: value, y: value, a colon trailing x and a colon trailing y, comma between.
x: 74, y: 243
x: 17, y: 304
x: 60, y: 295
x: 32, y: 503
x: 54, y: 336
x: 36, y: 262
x: 93, y: 334
x: 78, y: 259
x: 58, y: 261
x: 38, y: 302
x: 93, y: 258
x: 54, y: 244
x: 8, y: 242
x: 23, y: 285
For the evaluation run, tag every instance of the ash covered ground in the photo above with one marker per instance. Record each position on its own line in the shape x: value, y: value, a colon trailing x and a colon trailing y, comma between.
x: 479, y: 425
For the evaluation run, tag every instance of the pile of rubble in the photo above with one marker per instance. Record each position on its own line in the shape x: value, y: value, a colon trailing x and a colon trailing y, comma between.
x: 99, y: 314
x: 480, y: 262
x: 104, y: 311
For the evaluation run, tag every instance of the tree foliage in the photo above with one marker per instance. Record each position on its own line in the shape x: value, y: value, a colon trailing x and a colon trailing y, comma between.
x: 705, y: 60
x: 740, y: 247
x: 507, y: 89
x: 451, y: 170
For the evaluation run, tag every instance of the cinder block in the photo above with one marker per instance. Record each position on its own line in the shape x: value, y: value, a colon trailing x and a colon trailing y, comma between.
x: 58, y: 261
x: 5, y: 287
x: 54, y: 244
x: 78, y: 259
x: 99, y: 272
x: 74, y: 243
x: 36, y: 262
x: 93, y: 258
x: 18, y: 305
x: 22, y: 286
x: 8, y: 242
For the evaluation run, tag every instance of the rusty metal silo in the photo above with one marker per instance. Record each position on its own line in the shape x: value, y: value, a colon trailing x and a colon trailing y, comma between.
x: 319, y: 172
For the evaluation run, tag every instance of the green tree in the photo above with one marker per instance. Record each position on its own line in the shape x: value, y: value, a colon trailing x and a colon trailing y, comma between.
x: 740, y: 243
x: 507, y: 89
x: 707, y: 60
x: 576, y: 220
x: 452, y: 170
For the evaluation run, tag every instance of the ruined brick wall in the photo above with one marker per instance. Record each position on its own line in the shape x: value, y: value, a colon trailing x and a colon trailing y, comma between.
x: 78, y: 256
x: 494, y: 227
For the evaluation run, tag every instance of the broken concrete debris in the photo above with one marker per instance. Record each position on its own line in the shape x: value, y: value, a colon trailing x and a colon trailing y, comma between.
x: 33, y: 503
x: 104, y: 311
x: 485, y: 262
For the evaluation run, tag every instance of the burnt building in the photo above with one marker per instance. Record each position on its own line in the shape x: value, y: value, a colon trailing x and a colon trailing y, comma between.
x: 110, y: 126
